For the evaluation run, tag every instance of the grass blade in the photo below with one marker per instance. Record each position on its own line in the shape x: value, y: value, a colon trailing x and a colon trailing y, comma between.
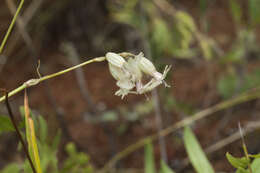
x: 165, y: 168
x: 196, y: 155
x: 149, y: 166
x: 30, y: 136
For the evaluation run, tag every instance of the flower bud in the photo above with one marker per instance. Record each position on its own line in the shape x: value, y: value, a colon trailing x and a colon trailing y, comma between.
x: 145, y: 65
x: 157, y: 75
x: 118, y: 73
x: 132, y: 67
x: 125, y: 84
x: 115, y: 59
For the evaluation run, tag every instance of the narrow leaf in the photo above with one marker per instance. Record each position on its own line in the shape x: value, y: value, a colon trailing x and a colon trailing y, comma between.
x: 254, y: 12
x: 254, y: 155
x: 237, y: 162
x: 12, y: 167
x: 5, y: 124
x: 149, y: 159
x: 256, y: 165
x: 165, y: 168
x: 27, y: 127
x: 30, y: 136
x: 242, y: 170
x: 35, y: 147
x: 236, y: 11
x: 196, y: 155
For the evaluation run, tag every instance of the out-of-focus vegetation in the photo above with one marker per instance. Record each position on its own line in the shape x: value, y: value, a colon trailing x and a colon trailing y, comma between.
x: 167, y: 32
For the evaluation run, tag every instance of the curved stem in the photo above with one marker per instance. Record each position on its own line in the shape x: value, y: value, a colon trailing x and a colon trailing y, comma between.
x: 11, y: 26
x: 37, y: 81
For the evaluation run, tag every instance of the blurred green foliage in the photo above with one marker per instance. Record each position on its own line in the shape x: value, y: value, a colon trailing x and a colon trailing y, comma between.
x: 242, y: 163
x: 48, y: 148
x: 172, y: 36
x: 149, y: 162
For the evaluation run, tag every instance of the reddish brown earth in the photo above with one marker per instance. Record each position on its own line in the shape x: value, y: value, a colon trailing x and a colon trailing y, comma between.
x: 190, y: 84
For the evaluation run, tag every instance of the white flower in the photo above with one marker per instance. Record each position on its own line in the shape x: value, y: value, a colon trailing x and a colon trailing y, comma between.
x: 147, y: 67
x: 125, y: 87
x: 118, y: 73
x: 132, y: 67
x: 115, y: 59
x: 129, y: 74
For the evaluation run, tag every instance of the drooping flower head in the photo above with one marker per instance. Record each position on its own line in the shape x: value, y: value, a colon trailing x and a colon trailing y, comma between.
x: 129, y: 74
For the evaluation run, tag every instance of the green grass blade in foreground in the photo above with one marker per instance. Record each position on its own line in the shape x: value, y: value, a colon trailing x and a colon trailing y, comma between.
x: 149, y: 166
x: 30, y: 136
x: 165, y: 168
x: 256, y: 165
x: 196, y: 155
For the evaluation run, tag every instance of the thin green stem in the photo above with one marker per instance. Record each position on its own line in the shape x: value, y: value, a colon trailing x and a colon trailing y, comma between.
x: 98, y: 59
x: 248, y: 96
x: 11, y: 26
x: 37, y: 81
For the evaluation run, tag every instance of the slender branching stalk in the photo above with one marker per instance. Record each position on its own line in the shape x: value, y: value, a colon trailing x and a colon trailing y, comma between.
x: 33, y: 82
x: 11, y: 26
x: 18, y: 132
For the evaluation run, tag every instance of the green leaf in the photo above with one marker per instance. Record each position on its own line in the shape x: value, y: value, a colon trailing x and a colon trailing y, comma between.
x: 161, y: 36
x: 196, y: 155
x: 30, y: 136
x: 76, y: 161
x: 254, y: 12
x: 149, y: 166
x: 242, y: 170
x: 227, y: 85
x: 237, y: 162
x: 203, y: 6
x: 5, y: 124
x: 42, y: 128
x: 236, y: 10
x: 252, y: 80
x: 110, y: 116
x: 11, y: 168
x: 256, y: 165
x: 165, y: 168
x: 254, y: 155
x: 186, y: 20
x: 205, y: 46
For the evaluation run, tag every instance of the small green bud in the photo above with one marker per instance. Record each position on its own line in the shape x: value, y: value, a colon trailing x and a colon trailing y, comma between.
x: 115, y: 59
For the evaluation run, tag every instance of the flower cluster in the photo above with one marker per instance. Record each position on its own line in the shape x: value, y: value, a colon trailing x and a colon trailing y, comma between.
x: 129, y: 73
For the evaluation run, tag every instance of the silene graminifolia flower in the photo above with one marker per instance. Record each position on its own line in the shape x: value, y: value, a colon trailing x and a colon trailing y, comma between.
x: 129, y: 74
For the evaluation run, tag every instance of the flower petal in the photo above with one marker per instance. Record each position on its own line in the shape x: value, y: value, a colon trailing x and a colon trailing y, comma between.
x: 115, y: 59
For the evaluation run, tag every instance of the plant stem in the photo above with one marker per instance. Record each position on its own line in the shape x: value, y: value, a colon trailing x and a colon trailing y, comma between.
x: 155, y: 95
x: 11, y: 26
x: 98, y: 59
x: 245, y: 97
x: 18, y: 132
x: 24, y: 85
